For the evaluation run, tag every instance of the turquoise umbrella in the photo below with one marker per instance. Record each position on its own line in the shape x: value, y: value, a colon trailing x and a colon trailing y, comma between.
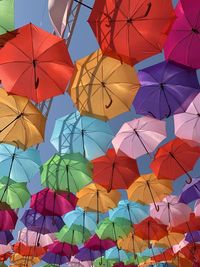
x: 150, y: 252
x: 89, y: 136
x: 132, y: 211
x: 117, y: 254
x: 17, y: 164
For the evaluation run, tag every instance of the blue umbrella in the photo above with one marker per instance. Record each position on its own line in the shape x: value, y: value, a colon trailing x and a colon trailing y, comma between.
x: 89, y: 136
x: 80, y: 217
x: 133, y: 211
x: 117, y: 254
x: 150, y: 252
x: 190, y: 191
x: 17, y: 164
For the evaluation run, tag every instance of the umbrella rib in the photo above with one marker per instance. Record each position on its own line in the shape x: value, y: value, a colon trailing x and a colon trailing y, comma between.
x: 38, y: 58
x: 22, y: 51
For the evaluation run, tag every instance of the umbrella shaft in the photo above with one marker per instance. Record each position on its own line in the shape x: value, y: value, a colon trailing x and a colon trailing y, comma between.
x: 11, y: 122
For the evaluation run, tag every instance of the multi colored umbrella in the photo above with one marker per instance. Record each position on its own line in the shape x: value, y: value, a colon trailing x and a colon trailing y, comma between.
x: 22, y: 124
x: 39, y: 59
x: 166, y: 88
x: 131, y: 32
x: 183, y: 40
x: 103, y: 87
x: 69, y: 172
x: 114, y: 171
x: 88, y: 136
x: 139, y: 136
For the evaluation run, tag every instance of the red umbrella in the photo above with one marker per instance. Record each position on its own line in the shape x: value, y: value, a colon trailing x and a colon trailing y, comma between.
x: 115, y: 171
x: 187, y: 227
x: 63, y: 249
x: 25, y: 250
x: 131, y: 30
x: 35, y: 64
x: 175, y: 158
x: 8, y: 218
x: 50, y: 203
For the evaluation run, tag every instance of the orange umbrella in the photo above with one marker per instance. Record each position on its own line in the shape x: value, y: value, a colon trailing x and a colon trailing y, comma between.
x: 25, y: 250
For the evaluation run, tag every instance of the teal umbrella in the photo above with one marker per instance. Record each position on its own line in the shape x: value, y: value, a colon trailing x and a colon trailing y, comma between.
x: 118, y: 255
x: 18, y: 164
x: 89, y: 136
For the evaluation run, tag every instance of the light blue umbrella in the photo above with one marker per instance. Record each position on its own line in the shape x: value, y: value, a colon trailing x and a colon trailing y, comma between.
x: 17, y: 164
x: 161, y: 264
x: 80, y: 217
x: 117, y: 254
x: 89, y: 136
x: 150, y: 252
x: 132, y: 211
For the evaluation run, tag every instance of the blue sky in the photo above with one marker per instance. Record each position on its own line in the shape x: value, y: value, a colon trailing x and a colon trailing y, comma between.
x: 83, y: 43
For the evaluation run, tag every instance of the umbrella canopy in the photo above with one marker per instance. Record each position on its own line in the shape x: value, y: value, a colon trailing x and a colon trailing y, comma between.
x: 18, y: 164
x: 171, y: 211
x: 77, y: 263
x: 88, y: 136
x: 140, y: 136
x: 197, y: 208
x: 95, y: 243
x: 68, y: 172
x: 86, y: 254
x: 170, y: 240
x: 187, y: 227
x: 103, y: 87
x: 21, y: 260
x: 55, y: 259
x: 183, y: 40
x: 108, y: 229
x: 5, y: 248
x: 7, y: 16
x: 94, y: 197
x: 133, y: 32
x: 5, y: 237
x: 8, y: 218
x: 22, y: 124
x: 187, y: 125
x: 14, y: 194
x: 114, y: 171
x: 33, y: 61
x: 190, y: 191
x: 166, y: 88
x: 63, y: 249
x: 149, y: 189
x: 132, y: 211
x: 117, y: 254
x: 174, y: 159
x: 25, y: 250
x: 49, y: 202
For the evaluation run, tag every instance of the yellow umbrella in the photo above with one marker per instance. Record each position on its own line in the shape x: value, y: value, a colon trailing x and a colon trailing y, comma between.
x: 103, y: 87
x: 170, y: 240
x: 94, y: 197
x: 149, y: 189
x: 26, y: 261
x: 21, y: 123
x: 132, y: 243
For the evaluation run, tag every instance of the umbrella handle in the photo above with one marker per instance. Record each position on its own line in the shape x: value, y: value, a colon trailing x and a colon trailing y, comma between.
x: 189, y: 180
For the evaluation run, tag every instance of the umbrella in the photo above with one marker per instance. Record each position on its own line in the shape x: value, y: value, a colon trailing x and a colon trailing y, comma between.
x: 132, y: 211
x: 114, y: 171
x: 30, y: 238
x: 187, y: 125
x: 21, y: 260
x: 103, y: 262
x: 46, y: 65
x: 25, y: 250
x: 131, y: 32
x: 74, y: 235
x: 49, y: 202
x: 55, y: 259
x: 7, y: 16
x: 103, y: 87
x: 94, y: 197
x: 5, y: 237
x: 174, y: 159
x: 148, y: 189
x: 166, y: 88
x: 95, y: 243
x: 8, y: 218
x: 113, y: 230
x: 193, y: 237
x: 171, y: 212
x: 22, y: 124
x: 190, y: 192
x: 139, y: 136
x: 69, y: 172
x: 183, y: 40
x: 117, y: 254
x: 88, y: 136
x: 197, y: 208
x: 76, y: 263
x: 18, y: 164
x: 170, y: 240
x: 86, y: 254
x: 14, y: 194
x: 63, y: 249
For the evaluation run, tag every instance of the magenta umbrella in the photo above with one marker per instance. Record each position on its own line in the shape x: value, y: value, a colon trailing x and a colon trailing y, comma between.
x: 171, y: 212
x: 8, y: 219
x: 183, y: 42
x: 95, y: 243
x: 187, y: 124
x: 63, y: 249
x: 140, y: 136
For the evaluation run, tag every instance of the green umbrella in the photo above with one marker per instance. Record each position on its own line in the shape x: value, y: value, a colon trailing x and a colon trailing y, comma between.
x: 69, y: 172
x: 6, y: 16
x: 137, y: 259
x: 73, y: 235
x: 114, y: 230
x: 14, y: 194
x: 103, y: 262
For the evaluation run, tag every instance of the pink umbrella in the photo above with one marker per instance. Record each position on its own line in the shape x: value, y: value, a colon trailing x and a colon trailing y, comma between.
x: 171, y: 212
x: 76, y: 263
x: 187, y: 124
x: 5, y: 248
x: 139, y: 136
x: 183, y: 41
x: 197, y: 208
x: 30, y: 238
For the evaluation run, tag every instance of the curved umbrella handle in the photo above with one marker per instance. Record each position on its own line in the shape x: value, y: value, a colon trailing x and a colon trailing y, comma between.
x: 189, y: 180
x: 156, y: 207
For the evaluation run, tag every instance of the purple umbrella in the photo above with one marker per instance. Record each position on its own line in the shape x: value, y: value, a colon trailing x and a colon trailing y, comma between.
x: 193, y: 237
x: 86, y: 254
x: 5, y: 237
x: 34, y: 221
x: 166, y: 88
x: 190, y: 191
x: 52, y: 258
